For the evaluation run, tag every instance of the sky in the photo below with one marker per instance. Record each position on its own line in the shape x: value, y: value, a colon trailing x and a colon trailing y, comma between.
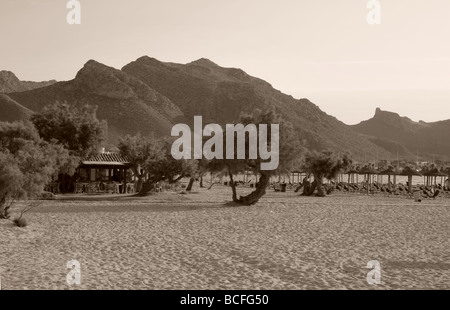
x: 323, y: 50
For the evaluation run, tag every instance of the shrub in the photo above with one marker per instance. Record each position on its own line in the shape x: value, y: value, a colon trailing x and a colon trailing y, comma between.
x: 20, y: 222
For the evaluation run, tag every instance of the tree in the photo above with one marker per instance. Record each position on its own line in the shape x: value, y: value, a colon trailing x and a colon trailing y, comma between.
x: 289, y: 151
x: 77, y: 129
x: 323, y: 165
x: 152, y: 161
x: 27, y: 163
x: 202, y: 169
x: 138, y: 149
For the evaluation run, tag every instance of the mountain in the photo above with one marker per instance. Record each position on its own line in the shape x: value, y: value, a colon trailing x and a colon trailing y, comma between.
x: 425, y: 139
x: 148, y: 96
x: 221, y: 94
x: 129, y: 105
x: 11, y: 110
x: 10, y: 83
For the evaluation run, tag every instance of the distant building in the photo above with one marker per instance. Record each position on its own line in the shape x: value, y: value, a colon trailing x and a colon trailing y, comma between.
x: 104, y: 167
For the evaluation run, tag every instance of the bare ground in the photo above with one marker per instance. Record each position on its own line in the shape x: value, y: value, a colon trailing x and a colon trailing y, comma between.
x: 198, y: 241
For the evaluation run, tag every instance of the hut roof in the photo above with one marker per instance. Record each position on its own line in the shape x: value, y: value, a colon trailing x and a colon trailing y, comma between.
x: 446, y: 171
x: 433, y: 173
x: 367, y: 170
x: 390, y: 171
x: 107, y: 158
x: 410, y: 171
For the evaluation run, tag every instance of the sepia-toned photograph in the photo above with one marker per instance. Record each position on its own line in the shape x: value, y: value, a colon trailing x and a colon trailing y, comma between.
x: 212, y: 145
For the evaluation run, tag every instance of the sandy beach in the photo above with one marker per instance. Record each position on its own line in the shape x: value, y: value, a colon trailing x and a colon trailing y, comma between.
x: 196, y: 241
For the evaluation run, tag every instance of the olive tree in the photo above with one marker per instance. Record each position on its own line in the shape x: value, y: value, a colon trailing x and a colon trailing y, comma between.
x: 151, y: 161
x: 27, y: 163
x: 322, y: 165
x: 289, y: 150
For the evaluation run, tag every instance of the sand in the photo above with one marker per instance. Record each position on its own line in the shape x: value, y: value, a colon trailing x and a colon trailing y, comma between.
x: 196, y: 241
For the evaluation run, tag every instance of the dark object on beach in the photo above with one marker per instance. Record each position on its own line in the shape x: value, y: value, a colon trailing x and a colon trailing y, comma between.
x: 330, y: 190
x: 436, y: 193
x: 20, y: 222
x: 299, y: 187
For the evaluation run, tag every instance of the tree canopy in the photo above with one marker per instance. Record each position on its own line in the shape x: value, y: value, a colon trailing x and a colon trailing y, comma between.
x: 322, y: 165
x: 288, y: 154
x: 27, y: 163
x: 77, y: 129
x: 151, y: 159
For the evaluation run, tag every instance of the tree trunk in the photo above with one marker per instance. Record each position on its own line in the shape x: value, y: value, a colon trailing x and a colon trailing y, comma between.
x: 139, y: 183
x: 311, y: 188
x: 191, y: 182
x: 233, y: 186
x: 306, y: 187
x: 319, y: 186
x: 4, y: 209
x: 299, y: 187
x: 258, y: 193
x: 148, y: 185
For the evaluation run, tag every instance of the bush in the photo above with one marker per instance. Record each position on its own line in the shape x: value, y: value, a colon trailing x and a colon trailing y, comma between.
x: 20, y: 222
x: 47, y: 196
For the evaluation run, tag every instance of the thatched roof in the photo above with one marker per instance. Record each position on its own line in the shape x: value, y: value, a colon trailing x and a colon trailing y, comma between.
x: 410, y: 171
x: 390, y: 171
x: 107, y: 159
x: 367, y: 170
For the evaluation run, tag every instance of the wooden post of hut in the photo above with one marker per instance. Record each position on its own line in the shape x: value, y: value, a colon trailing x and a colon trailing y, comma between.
x: 125, y: 181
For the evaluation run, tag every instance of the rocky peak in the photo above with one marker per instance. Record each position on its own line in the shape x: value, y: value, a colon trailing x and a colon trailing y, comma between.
x: 8, y: 75
x: 10, y: 83
x: 204, y: 62
x: 103, y: 80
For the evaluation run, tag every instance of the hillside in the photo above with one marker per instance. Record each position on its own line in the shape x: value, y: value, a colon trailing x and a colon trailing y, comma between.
x: 126, y: 103
x: 10, y: 83
x: 11, y: 110
x: 221, y: 94
x: 151, y: 96
x: 425, y: 139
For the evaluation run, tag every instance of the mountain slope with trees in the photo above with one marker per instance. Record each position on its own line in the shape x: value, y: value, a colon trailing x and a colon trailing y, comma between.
x: 127, y: 104
x: 221, y: 94
x: 149, y: 96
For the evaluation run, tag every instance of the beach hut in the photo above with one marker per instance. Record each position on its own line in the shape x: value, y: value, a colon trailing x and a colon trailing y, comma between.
x: 447, y: 182
x: 298, y: 174
x: 424, y: 172
x: 397, y: 171
x: 351, y: 176
x: 442, y: 175
x: 104, y: 167
x: 434, y: 173
x: 370, y: 173
x: 389, y: 171
x: 410, y: 172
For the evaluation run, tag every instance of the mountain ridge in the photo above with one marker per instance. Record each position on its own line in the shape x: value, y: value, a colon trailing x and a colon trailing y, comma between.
x: 150, y: 96
x: 10, y: 83
x: 220, y: 94
x: 126, y: 103
x: 428, y: 139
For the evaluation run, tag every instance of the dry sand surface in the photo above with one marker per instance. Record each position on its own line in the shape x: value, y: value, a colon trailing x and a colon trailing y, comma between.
x: 195, y: 241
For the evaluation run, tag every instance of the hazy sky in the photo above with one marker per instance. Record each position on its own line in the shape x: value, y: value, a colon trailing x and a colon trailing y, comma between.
x: 323, y: 50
